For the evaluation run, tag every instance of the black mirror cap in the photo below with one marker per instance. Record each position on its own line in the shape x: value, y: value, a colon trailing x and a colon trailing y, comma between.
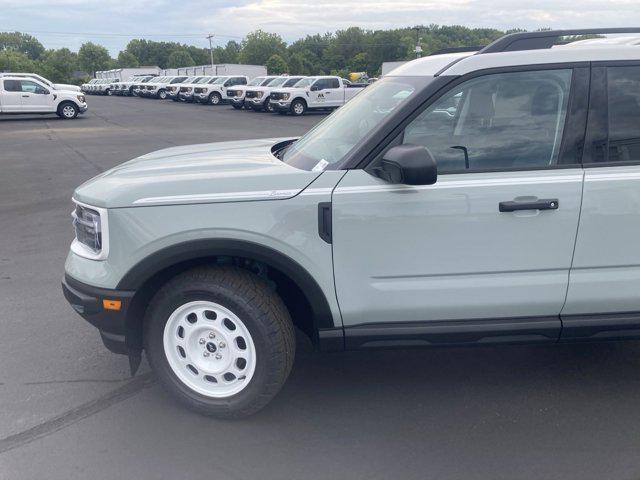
x: 410, y: 165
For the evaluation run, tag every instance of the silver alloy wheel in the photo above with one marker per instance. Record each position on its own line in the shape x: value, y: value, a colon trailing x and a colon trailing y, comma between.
x: 162, y: 95
x: 215, y: 99
x: 69, y: 111
x: 298, y: 108
x: 209, y: 349
x: 109, y: 93
x: 269, y: 108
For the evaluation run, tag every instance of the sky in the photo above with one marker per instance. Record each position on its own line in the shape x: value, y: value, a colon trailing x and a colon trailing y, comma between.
x: 112, y: 23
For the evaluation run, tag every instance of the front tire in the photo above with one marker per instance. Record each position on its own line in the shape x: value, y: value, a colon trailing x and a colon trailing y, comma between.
x: 268, y: 107
x: 162, y: 94
x: 221, y: 340
x: 215, y: 98
x: 67, y: 111
x: 298, y: 107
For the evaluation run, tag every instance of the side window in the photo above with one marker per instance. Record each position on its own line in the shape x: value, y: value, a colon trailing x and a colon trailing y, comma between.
x: 498, y: 121
x: 333, y: 83
x: 623, y: 91
x: 12, y: 85
x: 29, y: 87
x: 321, y: 84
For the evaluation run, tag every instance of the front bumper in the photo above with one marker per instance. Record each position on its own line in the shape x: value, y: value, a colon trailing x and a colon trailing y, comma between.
x: 186, y: 96
x: 87, y: 300
x: 83, y: 108
x: 281, y: 105
x: 255, y: 103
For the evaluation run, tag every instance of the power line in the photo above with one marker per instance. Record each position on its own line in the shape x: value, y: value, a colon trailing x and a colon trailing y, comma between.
x: 106, y: 34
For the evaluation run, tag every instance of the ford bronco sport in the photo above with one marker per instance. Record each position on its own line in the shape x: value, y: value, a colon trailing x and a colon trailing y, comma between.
x: 465, y: 198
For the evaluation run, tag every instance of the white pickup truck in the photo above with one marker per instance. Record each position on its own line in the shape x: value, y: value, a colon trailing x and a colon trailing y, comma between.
x: 313, y: 93
x: 21, y: 95
x: 257, y: 98
x: 215, y: 92
x: 237, y: 93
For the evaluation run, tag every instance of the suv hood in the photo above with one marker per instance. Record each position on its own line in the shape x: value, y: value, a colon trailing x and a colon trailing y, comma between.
x: 207, y: 173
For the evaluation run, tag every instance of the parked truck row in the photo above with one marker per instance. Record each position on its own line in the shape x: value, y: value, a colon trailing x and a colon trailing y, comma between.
x: 284, y: 94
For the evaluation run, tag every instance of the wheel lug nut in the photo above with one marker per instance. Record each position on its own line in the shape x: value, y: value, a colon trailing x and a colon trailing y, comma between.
x: 205, y: 354
x: 201, y: 341
x: 222, y: 344
x: 218, y: 356
x: 212, y: 335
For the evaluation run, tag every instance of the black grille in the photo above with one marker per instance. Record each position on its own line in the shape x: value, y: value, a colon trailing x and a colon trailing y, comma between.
x: 198, y: 90
x: 276, y: 96
x: 251, y: 94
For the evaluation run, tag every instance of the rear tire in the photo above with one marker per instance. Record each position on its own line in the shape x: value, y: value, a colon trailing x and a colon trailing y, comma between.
x: 67, y: 111
x: 195, y: 329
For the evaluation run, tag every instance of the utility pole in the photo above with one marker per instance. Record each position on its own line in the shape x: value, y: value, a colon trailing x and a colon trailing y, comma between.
x: 210, y: 36
x: 418, y: 49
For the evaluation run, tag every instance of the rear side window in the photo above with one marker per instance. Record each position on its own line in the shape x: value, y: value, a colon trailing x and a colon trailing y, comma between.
x: 500, y: 121
x: 623, y: 92
x: 12, y: 86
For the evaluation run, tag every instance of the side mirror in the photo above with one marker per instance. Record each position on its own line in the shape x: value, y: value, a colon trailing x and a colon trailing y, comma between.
x: 315, y: 88
x: 408, y: 164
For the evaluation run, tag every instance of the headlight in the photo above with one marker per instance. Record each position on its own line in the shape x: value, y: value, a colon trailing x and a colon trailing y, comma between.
x: 91, y: 228
x: 205, y: 90
x: 259, y: 94
x: 285, y: 96
x: 80, y: 98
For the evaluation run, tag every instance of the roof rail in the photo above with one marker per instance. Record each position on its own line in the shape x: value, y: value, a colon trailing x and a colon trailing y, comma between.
x: 545, y: 39
x: 472, y: 48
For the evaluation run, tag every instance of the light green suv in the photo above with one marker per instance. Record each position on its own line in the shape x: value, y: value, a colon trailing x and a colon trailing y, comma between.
x: 465, y: 198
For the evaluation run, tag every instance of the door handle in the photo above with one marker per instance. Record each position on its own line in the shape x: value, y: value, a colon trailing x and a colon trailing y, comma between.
x: 514, y: 205
x: 26, y: 96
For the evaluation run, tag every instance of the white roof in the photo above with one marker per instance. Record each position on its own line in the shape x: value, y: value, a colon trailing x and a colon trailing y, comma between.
x: 468, y: 62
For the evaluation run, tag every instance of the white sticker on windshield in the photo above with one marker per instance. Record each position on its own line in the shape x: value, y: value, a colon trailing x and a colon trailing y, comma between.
x: 320, y: 166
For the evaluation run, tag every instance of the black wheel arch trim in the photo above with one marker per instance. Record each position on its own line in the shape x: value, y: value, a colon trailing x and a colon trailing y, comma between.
x: 165, y: 258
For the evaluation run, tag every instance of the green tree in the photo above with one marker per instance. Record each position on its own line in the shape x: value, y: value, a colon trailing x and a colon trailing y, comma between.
x: 92, y: 57
x: 259, y: 46
x: 59, y: 65
x: 127, y: 60
x: 276, y: 65
x: 179, y: 58
x: 21, y: 42
x: 11, y: 61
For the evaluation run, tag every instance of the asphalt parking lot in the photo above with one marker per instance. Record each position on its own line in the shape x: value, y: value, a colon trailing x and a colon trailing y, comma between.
x: 70, y: 410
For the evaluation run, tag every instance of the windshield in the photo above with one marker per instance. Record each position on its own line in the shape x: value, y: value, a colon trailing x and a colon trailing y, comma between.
x: 212, y: 80
x: 202, y: 80
x: 305, y: 82
x: 330, y: 141
x: 219, y: 80
x: 291, y: 82
x: 256, y: 81
x: 276, y: 82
